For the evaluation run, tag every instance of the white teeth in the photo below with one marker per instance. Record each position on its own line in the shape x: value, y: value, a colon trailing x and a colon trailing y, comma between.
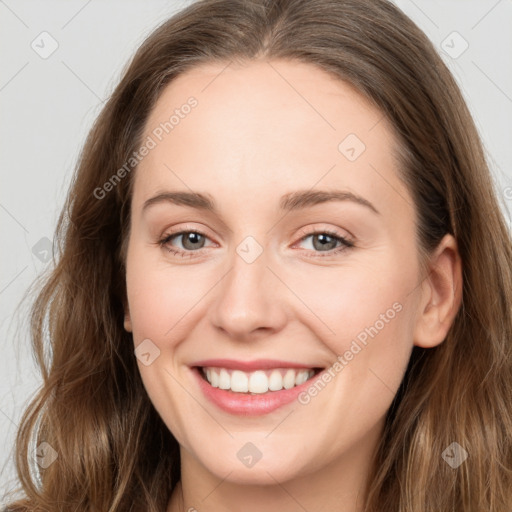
x: 239, y: 382
x: 214, y: 379
x: 289, y: 379
x: 300, y: 378
x: 275, y: 382
x: 260, y: 381
x: 224, y: 379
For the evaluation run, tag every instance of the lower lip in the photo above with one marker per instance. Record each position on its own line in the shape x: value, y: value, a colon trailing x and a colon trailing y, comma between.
x: 249, y: 405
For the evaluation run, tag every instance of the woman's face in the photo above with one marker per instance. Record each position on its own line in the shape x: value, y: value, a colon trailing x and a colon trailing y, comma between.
x: 268, y: 293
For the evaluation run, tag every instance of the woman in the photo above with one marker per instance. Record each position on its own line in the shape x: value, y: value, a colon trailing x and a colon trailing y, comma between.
x: 253, y: 372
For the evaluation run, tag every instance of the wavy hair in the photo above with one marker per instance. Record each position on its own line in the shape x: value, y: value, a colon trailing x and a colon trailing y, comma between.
x: 114, y: 451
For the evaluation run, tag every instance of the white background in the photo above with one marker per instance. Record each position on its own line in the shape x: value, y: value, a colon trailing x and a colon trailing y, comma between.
x: 48, y: 106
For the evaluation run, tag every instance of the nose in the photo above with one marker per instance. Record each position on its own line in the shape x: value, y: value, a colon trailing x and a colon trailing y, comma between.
x: 250, y: 300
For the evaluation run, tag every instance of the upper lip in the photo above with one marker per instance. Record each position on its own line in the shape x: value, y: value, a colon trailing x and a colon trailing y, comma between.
x: 257, y: 364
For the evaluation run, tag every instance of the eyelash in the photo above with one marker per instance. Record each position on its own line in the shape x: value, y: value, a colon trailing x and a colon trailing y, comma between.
x: 346, y: 244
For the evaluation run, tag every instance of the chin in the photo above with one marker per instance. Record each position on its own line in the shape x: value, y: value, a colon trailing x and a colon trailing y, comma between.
x: 262, y: 473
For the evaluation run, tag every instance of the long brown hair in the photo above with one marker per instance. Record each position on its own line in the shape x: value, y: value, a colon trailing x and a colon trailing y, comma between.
x: 114, y: 451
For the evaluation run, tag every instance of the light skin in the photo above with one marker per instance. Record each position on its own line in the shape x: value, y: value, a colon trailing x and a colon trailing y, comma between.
x: 260, y: 131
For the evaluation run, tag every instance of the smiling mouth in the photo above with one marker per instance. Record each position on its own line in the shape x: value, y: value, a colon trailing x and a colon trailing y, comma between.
x: 257, y: 382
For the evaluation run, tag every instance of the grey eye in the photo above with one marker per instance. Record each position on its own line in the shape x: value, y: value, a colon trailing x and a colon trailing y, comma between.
x: 191, y: 240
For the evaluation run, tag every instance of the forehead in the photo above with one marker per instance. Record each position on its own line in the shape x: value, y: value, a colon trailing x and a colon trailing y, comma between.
x: 268, y: 126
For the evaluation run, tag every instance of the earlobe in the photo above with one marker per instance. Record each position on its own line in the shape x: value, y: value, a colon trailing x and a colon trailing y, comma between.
x: 127, y: 319
x: 441, y: 295
x: 127, y: 322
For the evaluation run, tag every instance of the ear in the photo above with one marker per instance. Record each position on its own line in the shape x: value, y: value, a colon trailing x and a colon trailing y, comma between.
x: 441, y: 295
x: 127, y: 317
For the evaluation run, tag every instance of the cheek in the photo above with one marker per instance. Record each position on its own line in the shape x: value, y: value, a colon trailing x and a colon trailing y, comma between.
x: 159, y: 298
x: 160, y: 295
x: 358, y: 300
x: 365, y: 315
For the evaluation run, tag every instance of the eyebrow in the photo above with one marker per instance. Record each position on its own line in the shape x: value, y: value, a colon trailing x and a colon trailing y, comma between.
x: 289, y: 202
